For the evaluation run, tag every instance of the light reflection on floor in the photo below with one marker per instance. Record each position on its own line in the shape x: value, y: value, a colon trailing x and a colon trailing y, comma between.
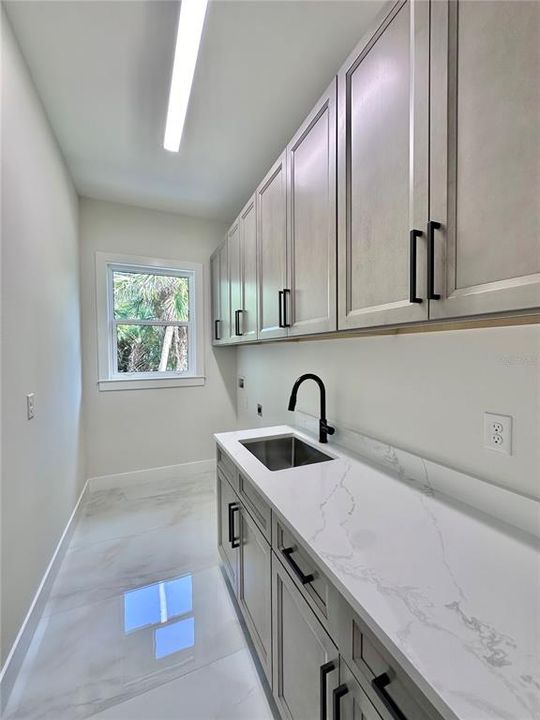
x: 156, y: 605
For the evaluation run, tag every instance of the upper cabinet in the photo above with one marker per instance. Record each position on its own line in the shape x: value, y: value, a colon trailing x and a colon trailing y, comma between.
x: 485, y: 157
x: 235, y: 280
x: 248, y: 240
x: 383, y: 173
x: 272, y: 251
x: 311, y: 250
x: 423, y: 157
x: 296, y: 215
x: 219, y: 273
x: 242, y: 240
x: 215, y: 292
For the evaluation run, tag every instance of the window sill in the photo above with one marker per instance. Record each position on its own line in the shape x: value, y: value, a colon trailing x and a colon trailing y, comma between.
x: 150, y: 384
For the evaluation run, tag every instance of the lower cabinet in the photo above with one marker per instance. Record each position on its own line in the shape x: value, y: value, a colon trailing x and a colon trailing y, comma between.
x: 305, y: 660
x: 246, y: 556
x: 392, y: 691
x: 350, y: 702
x: 254, y: 588
x: 228, y: 509
x: 320, y: 659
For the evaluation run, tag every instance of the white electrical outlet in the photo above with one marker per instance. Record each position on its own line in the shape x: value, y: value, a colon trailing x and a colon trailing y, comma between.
x: 498, y: 432
x: 30, y: 406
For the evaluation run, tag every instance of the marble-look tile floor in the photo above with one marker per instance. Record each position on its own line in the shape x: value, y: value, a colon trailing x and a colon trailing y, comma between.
x: 139, y: 624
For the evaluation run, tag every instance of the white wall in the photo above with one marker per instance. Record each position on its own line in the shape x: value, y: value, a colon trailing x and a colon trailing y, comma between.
x: 41, y: 459
x: 139, y: 429
x: 424, y: 392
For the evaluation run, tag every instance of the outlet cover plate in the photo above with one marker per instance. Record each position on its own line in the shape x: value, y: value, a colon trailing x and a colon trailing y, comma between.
x: 498, y: 433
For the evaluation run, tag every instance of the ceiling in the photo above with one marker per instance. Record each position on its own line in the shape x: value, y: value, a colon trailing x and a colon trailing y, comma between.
x: 103, y: 70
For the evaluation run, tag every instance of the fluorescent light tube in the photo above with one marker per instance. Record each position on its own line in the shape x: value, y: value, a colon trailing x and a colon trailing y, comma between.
x: 188, y: 39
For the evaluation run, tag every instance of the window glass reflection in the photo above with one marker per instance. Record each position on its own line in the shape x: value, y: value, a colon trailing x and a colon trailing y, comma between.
x: 174, y: 637
x: 157, y: 603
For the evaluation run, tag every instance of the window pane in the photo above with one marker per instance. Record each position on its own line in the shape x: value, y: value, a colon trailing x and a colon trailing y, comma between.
x: 147, y: 348
x: 141, y: 296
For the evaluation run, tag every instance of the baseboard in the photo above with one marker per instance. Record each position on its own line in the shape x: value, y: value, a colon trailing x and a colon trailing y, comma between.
x: 16, y: 655
x: 139, y: 477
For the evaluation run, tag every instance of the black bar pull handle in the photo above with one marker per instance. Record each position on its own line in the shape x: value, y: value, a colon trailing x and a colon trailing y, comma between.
x: 234, y: 541
x: 280, y: 304
x: 413, y: 235
x: 379, y: 684
x: 240, y: 332
x: 231, y: 505
x: 338, y: 693
x: 304, y: 579
x: 286, y: 295
x: 237, y: 323
x: 325, y: 670
x: 217, y: 333
x: 431, y: 227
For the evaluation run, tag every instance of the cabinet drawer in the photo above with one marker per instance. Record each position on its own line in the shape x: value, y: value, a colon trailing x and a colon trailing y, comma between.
x: 256, y: 505
x: 227, y: 467
x: 305, y: 573
x: 389, y: 688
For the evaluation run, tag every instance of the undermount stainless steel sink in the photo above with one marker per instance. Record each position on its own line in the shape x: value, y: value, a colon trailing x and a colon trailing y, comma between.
x: 280, y: 453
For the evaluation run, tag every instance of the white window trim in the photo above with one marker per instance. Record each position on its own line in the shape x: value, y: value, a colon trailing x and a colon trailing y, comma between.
x: 108, y: 377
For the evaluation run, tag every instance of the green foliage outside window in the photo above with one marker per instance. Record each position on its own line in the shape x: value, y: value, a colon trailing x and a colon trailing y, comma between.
x: 151, y: 348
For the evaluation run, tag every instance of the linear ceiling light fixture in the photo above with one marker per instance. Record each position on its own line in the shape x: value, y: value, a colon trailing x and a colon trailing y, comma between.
x: 188, y: 39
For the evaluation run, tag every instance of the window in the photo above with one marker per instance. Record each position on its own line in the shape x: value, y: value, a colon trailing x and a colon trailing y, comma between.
x: 147, y: 322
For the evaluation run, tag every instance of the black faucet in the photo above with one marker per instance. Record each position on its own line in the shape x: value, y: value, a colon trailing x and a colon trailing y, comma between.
x: 324, y: 428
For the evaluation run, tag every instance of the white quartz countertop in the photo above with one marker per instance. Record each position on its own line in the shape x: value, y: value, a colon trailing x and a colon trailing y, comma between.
x: 452, y: 593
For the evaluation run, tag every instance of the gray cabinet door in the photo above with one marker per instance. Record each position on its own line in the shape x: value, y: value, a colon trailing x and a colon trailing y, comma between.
x: 215, y: 297
x: 254, y: 588
x: 301, y: 649
x: 248, y: 244
x: 224, y: 293
x: 235, y: 280
x: 311, y: 192
x: 354, y: 703
x: 485, y: 156
x: 272, y: 249
x: 228, y: 510
x: 383, y: 114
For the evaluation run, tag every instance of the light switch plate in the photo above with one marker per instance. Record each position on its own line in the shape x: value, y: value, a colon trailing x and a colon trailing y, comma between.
x: 498, y: 432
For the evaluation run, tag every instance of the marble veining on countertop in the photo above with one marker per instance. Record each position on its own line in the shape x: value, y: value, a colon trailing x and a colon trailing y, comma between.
x: 453, y: 593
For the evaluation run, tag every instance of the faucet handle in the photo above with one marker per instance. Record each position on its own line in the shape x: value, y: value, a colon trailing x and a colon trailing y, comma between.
x: 325, y: 430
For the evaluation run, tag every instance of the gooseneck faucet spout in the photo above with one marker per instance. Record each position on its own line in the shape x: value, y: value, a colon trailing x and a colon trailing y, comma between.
x: 324, y: 428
